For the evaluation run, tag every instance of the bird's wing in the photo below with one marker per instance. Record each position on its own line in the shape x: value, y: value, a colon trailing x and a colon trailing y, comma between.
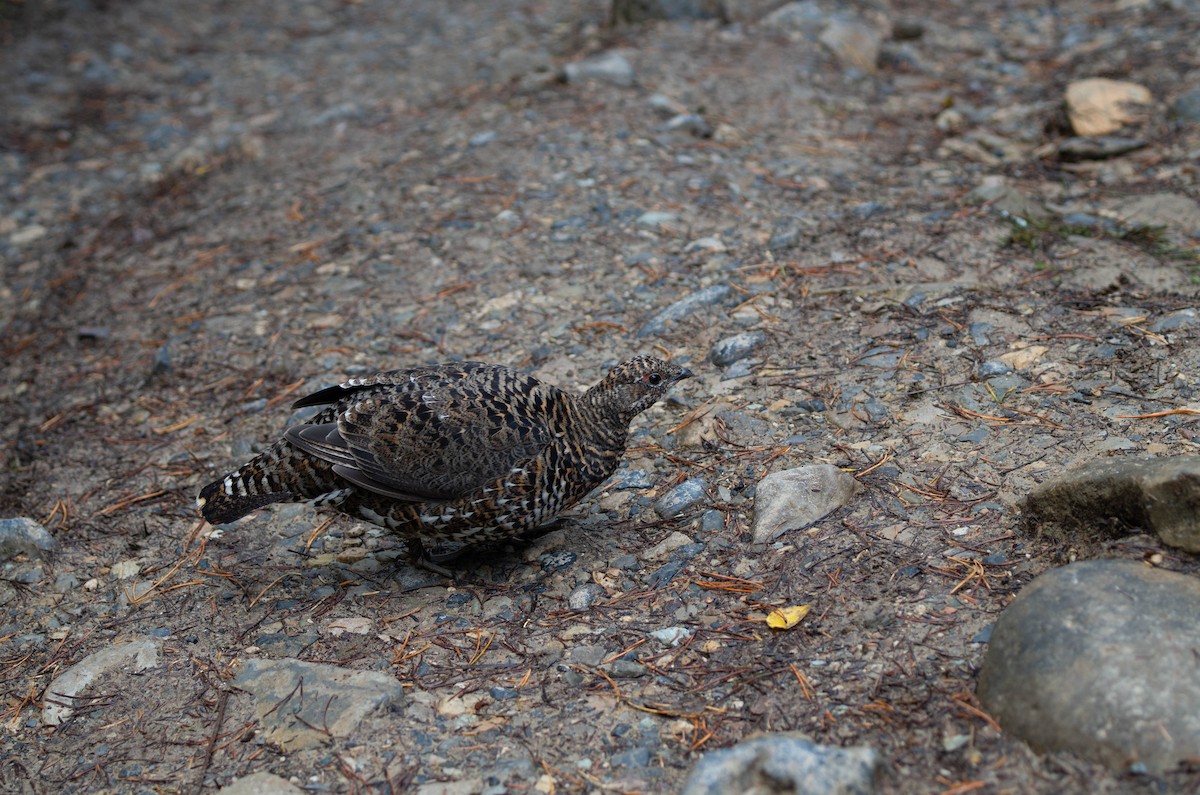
x: 431, y: 434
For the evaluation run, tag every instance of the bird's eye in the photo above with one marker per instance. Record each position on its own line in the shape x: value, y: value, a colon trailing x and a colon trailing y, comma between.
x: 653, y: 379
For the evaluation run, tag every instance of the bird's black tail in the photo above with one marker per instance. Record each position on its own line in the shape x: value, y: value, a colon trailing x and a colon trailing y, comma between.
x: 281, y: 473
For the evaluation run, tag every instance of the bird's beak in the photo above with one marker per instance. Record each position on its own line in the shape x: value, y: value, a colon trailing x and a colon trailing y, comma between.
x: 684, y: 373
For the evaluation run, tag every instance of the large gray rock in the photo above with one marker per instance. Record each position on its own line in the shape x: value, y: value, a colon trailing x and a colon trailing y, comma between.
x: 1105, y: 498
x: 59, y: 703
x: 301, y: 704
x: 1100, y: 658
x: 785, y: 763
x: 796, y: 498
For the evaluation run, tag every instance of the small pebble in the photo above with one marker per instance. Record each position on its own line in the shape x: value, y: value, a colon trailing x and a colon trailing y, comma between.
x: 611, y: 67
x: 672, y: 636
x: 584, y: 596
x: 992, y: 368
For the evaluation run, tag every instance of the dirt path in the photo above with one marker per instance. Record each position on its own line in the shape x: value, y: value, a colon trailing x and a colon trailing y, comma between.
x: 210, y: 208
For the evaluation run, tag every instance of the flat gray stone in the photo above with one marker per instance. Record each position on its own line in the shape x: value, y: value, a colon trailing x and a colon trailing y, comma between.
x: 60, y: 695
x: 261, y: 784
x: 1173, y: 210
x: 739, y: 346
x: 785, y: 763
x: 24, y: 536
x: 679, y: 499
x: 301, y: 704
x: 1099, y: 658
x: 1109, y: 497
x: 795, y: 498
x: 685, y: 306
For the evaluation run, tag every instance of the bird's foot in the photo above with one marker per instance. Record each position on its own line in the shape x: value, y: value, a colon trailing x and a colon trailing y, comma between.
x: 421, y: 557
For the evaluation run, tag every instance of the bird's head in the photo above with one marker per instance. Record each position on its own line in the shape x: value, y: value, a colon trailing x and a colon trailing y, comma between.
x: 635, y: 385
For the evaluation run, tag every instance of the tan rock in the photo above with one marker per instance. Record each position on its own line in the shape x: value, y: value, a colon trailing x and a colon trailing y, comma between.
x: 1024, y: 357
x: 1099, y: 106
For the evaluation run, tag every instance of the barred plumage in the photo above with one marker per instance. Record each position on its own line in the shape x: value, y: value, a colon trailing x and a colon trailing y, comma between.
x: 463, y: 452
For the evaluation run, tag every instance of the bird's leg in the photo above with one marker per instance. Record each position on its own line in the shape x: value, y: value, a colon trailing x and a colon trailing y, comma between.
x: 419, y: 557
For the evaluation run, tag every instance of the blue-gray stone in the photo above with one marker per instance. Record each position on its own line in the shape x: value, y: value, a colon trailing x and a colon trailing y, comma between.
x: 979, y: 333
x: 976, y: 436
x: 992, y: 368
x: 785, y: 239
x: 712, y: 521
x: 483, y: 138
x: 735, y: 348
x: 682, y: 497
x: 738, y: 370
x: 24, y: 536
x: 503, y: 693
x: 1186, y: 107
x: 684, y: 307
x: 867, y: 210
x: 1003, y: 384
x: 634, y: 757
x: 1176, y: 320
x: 632, y: 479
x: 625, y: 669
x: 1082, y: 220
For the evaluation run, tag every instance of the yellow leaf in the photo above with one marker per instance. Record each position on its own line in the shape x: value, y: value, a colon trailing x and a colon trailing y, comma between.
x: 787, y: 617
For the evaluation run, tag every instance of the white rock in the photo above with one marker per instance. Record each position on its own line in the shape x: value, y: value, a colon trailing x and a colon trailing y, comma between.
x: 125, y: 569
x: 796, y: 498
x: 611, y: 67
x: 27, y: 235
x: 667, y: 546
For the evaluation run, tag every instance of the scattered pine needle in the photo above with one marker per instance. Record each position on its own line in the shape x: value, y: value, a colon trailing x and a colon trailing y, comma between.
x: 154, y: 495
x: 177, y: 426
x: 724, y: 582
x: 964, y: 700
x: 481, y: 646
x: 1154, y: 414
x: 806, y: 688
x: 695, y: 414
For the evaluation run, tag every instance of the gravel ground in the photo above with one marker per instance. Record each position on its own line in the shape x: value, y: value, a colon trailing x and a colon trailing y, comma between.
x: 208, y: 209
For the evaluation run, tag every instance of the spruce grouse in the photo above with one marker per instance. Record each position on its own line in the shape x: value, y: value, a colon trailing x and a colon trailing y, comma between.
x: 461, y: 453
